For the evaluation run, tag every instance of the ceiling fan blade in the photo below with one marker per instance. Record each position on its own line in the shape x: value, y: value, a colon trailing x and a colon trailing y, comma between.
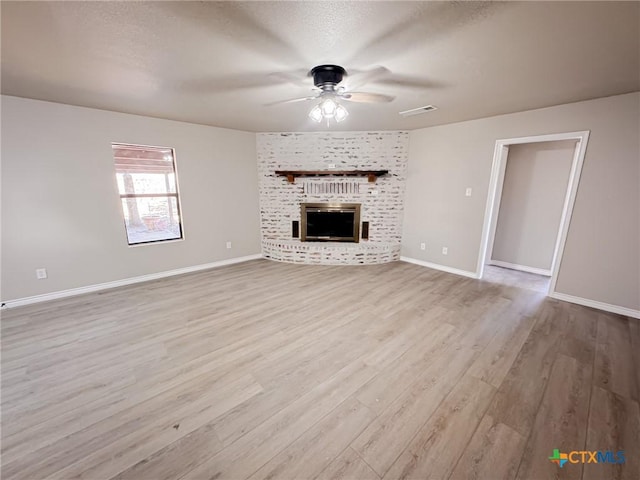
x: 291, y: 100
x: 239, y: 21
x: 410, y: 82
x: 426, y: 22
x: 211, y: 84
x: 363, y: 97
x: 296, y: 77
x: 357, y: 79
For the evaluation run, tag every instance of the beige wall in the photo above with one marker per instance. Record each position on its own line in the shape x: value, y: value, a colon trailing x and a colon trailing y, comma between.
x: 60, y: 208
x: 533, y: 193
x: 602, y: 257
x: 60, y: 205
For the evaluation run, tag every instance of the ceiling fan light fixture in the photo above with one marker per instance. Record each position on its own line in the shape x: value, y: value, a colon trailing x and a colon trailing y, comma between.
x: 341, y: 113
x: 316, y: 114
x: 328, y: 109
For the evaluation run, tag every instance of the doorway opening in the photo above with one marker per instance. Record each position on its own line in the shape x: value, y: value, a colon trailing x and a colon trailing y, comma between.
x: 511, y: 251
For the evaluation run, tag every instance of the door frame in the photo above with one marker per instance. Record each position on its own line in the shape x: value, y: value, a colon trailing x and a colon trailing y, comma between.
x: 496, y: 184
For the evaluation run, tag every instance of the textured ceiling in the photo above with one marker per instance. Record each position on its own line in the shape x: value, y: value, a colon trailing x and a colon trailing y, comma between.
x: 219, y: 63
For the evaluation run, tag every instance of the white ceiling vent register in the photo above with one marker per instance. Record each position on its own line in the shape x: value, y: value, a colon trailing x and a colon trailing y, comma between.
x: 418, y: 111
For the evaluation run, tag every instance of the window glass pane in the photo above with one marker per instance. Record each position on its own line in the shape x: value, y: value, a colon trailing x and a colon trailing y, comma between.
x: 150, y: 219
x: 148, y: 189
x: 170, y: 181
x: 129, y: 183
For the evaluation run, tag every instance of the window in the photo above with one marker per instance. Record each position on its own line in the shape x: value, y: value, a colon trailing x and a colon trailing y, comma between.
x: 148, y: 190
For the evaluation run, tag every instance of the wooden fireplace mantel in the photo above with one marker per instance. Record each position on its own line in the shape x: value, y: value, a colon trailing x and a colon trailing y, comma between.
x: 291, y: 175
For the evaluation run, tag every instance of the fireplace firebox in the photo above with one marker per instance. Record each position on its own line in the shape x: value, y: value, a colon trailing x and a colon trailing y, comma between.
x: 330, y: 222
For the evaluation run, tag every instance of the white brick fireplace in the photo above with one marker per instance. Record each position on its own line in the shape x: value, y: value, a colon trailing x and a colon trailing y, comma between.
x: 381, y: 202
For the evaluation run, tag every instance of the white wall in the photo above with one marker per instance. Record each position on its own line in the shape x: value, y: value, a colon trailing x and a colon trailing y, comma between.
x: 533, y: 194
x: 602, y: 256
x: 61, y: 209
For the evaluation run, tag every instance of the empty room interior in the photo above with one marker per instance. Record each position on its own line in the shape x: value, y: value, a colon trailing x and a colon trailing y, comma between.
x: 320, y: 240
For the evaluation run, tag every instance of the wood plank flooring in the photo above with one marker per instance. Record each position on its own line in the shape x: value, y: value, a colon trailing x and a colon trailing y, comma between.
x: 266, y: 370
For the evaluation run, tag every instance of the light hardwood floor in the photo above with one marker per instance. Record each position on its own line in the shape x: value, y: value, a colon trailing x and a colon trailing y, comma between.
x: 515, y: 278
x: 270, y: 370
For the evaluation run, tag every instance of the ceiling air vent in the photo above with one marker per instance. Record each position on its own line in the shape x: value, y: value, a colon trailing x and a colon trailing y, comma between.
x: 418, y: 111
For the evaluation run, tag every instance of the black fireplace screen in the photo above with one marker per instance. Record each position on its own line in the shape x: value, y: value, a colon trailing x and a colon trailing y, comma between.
x: 322, y: 222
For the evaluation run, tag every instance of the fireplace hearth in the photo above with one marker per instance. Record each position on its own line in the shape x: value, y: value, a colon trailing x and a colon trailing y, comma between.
x: 330, y: 222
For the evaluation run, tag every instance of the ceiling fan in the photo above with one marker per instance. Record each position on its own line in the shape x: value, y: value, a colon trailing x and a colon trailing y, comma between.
x: 329, y: 90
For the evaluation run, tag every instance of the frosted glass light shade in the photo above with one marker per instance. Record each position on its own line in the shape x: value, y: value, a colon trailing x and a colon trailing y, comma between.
x: 328, y: 109
x: 316, y: 114
x: 341, y: 113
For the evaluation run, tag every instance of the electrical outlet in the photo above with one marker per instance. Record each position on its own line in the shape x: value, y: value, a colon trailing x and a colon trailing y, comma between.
x: 445, y: 250
x: 467, y: 192
x: 423, y: 246
x: 41, y: 273
x: 228, y: 244
x: 331, y: 165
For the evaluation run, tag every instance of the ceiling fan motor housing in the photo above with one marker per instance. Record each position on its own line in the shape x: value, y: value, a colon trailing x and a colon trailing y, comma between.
x: 327, y: 75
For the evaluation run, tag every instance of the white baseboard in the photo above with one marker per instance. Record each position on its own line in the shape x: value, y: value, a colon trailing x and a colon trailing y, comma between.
x: 126, y: 281
x: 558, y: 296
x: 607, y: 307
x: 444, y: 268
x: 522, y: 268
